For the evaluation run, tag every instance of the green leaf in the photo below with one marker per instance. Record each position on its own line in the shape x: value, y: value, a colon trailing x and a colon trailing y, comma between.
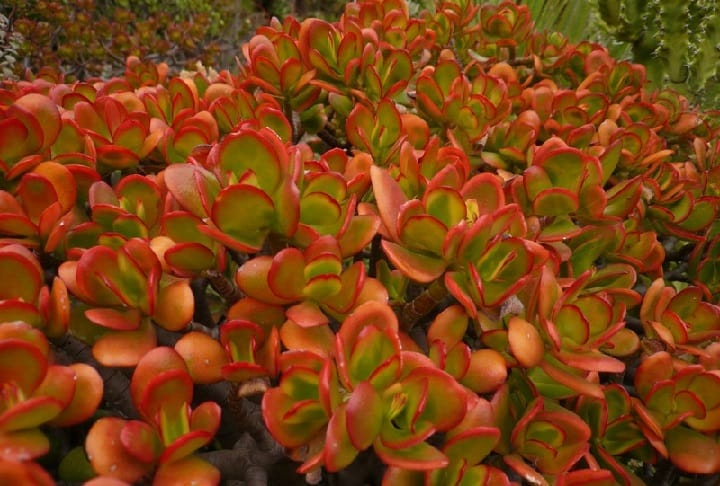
x: 423, y: 233
x: 473, y: 445
x: 19, y: 266
x: 193, y: 187
x: 244, y: 213
x: 418, y: 457
x: 556, y: 201
x: 414, y: 265
x: 75, y: 467
x: 339, y: 451
x: 365, y: 412
x: 190, y: 258
x: 446, y: 205
x: 692, y: 451
x: 259, y: 152
x: 286, y: 276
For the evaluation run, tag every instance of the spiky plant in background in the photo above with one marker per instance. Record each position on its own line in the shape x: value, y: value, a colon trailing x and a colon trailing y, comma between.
x: 677, y: 41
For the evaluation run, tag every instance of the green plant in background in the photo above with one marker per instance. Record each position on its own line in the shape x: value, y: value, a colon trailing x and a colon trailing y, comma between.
x: 178, y: 9
x: 676, y: 41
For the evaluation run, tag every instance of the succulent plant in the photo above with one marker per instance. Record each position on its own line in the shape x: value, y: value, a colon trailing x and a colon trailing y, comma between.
x: 436, y: 247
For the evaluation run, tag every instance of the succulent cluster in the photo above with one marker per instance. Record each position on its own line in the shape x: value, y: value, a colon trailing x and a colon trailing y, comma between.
x: 460, y: 249
x: 57, y: 33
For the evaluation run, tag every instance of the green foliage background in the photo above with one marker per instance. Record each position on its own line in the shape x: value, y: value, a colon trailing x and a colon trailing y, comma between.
x: 677, y: 41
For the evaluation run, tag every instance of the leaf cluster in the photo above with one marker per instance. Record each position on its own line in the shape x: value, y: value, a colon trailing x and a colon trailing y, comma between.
x: 445, y: 244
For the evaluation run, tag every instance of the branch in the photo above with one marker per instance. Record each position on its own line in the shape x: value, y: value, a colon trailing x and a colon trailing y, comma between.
x: 422, y: 305
x: 248, y: 417
x: 225, y: 287
x: 245, y: 461
x: 327, y: 135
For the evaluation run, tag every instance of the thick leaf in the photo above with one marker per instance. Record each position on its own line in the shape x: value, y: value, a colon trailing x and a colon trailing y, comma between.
x: 23, y: 445
x: 206, y: 417
x: 252, y: 279
x: 261, y: 152
x: 445, y: 404
x: 244, y: 213
x: 19, y: 266
x: 167, y: 390
x: 318, y: 339
x: 107, y: 454
x: 364, y: 415
x: 241, y: 339
x: 472, y: 446
x: 174, y: 306
x: 486, y: 372
x: 653, y: 369
x: 423, y: 233
x: 203, y: 355
x: 43, y: 111
x: 525, y: 342
x: 86, y: 399
x: 12, y: 131
x: 352, y: 284
x: 566, y: 379
x: 189, y: 258
x: 292, y: 423
x: 241, y: 371
x: 201, y: 472
x: 12, y: 310
x: 184, y: 446
x: 286, y: 276
x: 389, y: 197
x: 556, y: 201
x: 30, y: 413
x: 449, y: 326
x: 97, y: 277
x: 141, y: 441
x: 416, y: 266
x: 193, y: 187
x: 16, y: 354
x: 307, y: 314
x: 419, y: 457
x: 127, y: 320
x: 125, y: 348
x: 116, y: 157
x: 339, y: 451
x: 692, y: 451
x: 375, y: 354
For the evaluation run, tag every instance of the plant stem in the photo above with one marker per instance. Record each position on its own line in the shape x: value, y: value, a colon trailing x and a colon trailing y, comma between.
x: 422, y: 305
x: 225, y: 287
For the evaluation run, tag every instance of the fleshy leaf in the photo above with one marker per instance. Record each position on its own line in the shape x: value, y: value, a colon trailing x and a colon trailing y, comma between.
x: 125, y: 348
x: 417, y: 266
x: 202, y: 472
x: 339, y: 451
x: 364, y: 412
x: 107, y: 454
x: 141, y: 441
x: 692, y: 451
x: 86, y: 399
x: 244, y: 213
x: 418, y: 457
x: 472, y: 446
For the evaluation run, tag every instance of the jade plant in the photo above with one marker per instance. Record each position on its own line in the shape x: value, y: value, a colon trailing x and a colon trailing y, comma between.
x: 438, y: 248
